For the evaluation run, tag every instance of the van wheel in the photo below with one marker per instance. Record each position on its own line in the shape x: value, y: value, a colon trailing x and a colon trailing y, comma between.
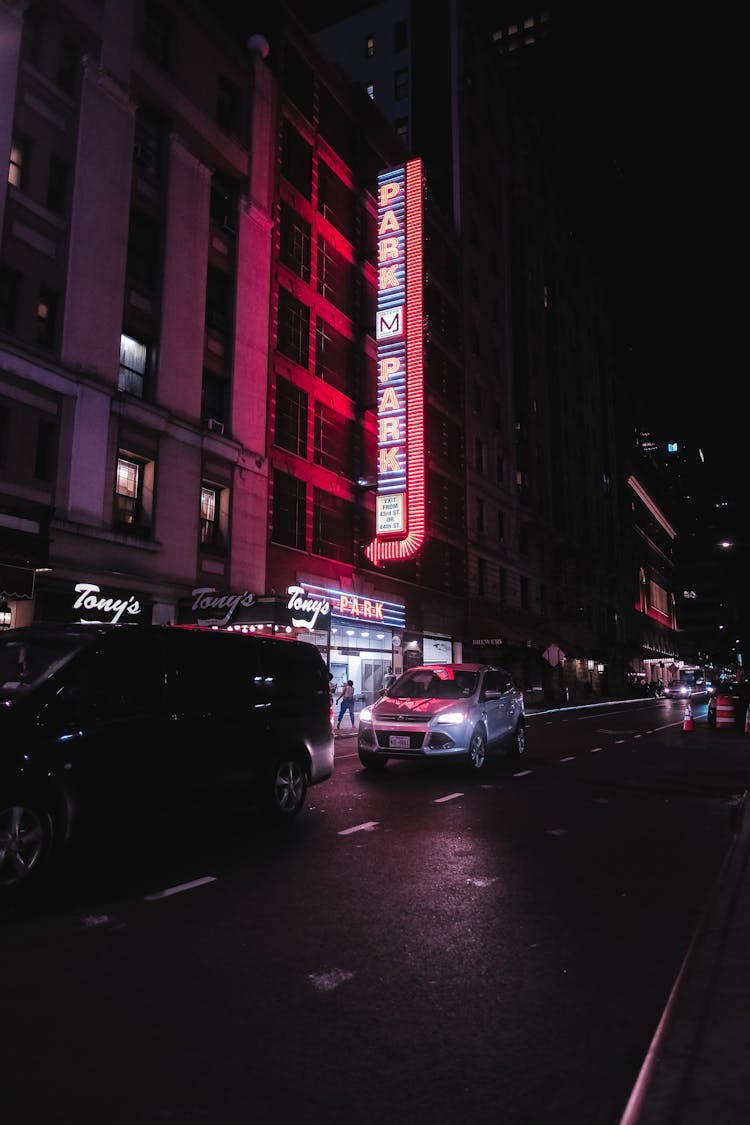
x: 517, y: 745
x: 26, y: 836
x: 285, y: 788
x: 477, y: 750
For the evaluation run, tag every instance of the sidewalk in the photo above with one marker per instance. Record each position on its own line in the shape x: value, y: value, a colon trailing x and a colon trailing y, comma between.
x: 697, y: 1068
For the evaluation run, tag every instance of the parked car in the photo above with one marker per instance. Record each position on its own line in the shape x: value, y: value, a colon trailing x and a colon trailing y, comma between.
x: 738, y: 693
x: 97, y: 721
x: 444, y: 712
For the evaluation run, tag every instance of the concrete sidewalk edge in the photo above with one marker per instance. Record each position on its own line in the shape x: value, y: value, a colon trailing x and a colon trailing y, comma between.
x: 693, y: 1033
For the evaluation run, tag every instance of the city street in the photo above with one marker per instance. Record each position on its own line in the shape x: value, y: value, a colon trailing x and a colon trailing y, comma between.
x: 420, y: 946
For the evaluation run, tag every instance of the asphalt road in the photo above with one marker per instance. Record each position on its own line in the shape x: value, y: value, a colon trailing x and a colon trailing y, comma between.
x: 420, y: 946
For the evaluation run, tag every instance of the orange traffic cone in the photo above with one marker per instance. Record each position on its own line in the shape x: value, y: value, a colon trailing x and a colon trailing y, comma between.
x: 747, y: 720
x: 687, y: 722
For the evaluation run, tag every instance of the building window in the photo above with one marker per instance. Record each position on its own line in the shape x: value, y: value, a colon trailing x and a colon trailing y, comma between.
x: 401, y: 84
x: 57, y: 185
x: 158, y: 34
x: 334, y: 276
x: 289, y: 502
x: 31, y: 42
x: 67, y: 67
x: 223, y: 203
x: 44, y: 457
x: 148, y: 139
x: 480, y: 515
x: 401, y: 125
x: 370, y: 88
x: 127, y: 491
x: 501, y: 527
x: 296, y: 160
x: 400, y: 35
x: 228, y: 105
x: 218, y: 300
x: 293, y: 337
x: 499, y: 469
x: 332, y: 534
x: 134, y: 493
x: 18, y: 167
x: 503, y: 585
x: 295, y: 242
x: 336, y: 202
x: 479, y: 455
x: 211, y: 537
x: 524, y: 592
x: 133, y: 366
x: 10, y: 291
x: 46, y: 317
x: 481, y: 577
x: 330, y: 440
x: 369, y: 46
x: 334, y: 357
x: 213, y: 397
x: 290, y: 425
x: 143, y: 250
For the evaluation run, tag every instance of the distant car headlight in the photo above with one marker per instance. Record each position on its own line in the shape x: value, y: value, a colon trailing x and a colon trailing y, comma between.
x: 451, y: 718
x: 365, y: 715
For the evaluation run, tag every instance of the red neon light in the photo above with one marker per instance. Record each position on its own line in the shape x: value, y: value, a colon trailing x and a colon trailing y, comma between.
x: 390, y: 549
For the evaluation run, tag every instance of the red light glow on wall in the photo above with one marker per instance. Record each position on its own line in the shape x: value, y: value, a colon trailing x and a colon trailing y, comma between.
x: 400, y: 497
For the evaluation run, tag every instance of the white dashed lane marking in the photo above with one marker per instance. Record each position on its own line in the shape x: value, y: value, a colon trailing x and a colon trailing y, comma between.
x: 450, y: 797
x: 366, y: 827
x: 180, y: 887
x: 570, y: 758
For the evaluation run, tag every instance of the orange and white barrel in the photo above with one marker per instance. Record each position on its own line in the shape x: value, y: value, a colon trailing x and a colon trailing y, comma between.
x: 724, y: 711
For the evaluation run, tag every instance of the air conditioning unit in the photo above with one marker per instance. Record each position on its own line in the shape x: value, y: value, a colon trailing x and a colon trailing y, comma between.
x: 214, y: 425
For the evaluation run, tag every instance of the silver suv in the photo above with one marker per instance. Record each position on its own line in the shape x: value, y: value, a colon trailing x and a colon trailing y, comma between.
x: 444, y: 711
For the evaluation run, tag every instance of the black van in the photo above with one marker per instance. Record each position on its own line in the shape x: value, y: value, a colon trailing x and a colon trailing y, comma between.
x: 103, y: 719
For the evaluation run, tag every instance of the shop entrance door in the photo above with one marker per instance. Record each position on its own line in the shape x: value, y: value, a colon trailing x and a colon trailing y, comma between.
x: 372, y: 678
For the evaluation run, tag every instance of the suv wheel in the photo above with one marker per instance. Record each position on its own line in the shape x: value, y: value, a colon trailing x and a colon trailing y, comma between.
x: 477, y: 750
x: 517, y: 746
x: 26, y: 836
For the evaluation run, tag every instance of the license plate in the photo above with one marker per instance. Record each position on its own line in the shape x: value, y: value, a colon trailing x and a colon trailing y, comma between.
x: 399, y: 742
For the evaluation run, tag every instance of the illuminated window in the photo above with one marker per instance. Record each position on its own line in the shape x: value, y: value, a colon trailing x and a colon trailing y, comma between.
x: 18, y: 162
x: 133, y: 365
x: 46, y: 317
x: 369, y: 46
x: 127, y: 491
x: 214, y: 515
x: 134, y: 493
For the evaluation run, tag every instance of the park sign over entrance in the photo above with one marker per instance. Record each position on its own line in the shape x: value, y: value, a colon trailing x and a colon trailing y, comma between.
x: 400, y: 497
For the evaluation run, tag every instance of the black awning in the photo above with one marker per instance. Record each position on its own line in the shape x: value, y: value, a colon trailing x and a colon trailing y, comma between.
x: 16, y: 582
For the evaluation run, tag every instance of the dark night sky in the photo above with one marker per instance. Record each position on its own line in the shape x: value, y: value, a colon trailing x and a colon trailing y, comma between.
x: 647, y: 103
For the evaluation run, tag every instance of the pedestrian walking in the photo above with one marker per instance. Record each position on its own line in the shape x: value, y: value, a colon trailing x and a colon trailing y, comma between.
x: 347, y: 702
x: 389, y: 678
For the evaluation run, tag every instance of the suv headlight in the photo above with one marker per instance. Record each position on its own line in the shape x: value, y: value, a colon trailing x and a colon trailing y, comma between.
x: 451, y: 718
x: 365, y: 715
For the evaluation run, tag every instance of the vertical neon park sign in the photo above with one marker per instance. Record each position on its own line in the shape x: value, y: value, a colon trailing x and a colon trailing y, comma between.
x: 400, y: 497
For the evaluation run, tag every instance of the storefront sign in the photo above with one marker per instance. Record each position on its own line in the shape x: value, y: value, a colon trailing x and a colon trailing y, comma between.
x: 360, y: 608
x: 92, y: 604
x: 212, y: 607
x: 306, y: 609
x: 399, y: 331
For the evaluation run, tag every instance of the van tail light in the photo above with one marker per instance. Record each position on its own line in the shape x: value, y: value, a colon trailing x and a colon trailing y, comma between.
x: 331, y: 711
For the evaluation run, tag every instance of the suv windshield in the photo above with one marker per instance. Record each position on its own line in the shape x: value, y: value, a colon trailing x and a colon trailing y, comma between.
x: 438, y: 684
